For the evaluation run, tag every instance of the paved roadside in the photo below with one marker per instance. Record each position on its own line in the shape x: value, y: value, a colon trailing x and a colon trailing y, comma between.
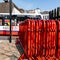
x: 8, y: 51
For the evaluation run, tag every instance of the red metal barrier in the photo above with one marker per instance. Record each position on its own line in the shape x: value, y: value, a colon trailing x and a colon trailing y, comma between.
x: 58, y: 38
x: 40, y: 39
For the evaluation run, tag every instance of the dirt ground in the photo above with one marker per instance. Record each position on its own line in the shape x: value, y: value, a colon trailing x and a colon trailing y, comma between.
x: 8, y: 51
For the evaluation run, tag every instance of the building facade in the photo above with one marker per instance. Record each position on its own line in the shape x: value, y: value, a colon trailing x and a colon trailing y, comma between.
x: 5, y: 12
x: 45, y: 15
x: 4, y: 9
x: 37, y: 11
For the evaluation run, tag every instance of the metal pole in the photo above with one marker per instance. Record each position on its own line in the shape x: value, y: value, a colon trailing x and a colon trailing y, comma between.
x: 10, y: 5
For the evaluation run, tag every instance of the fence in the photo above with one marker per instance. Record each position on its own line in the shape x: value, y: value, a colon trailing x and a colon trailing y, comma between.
x: 40, y: 39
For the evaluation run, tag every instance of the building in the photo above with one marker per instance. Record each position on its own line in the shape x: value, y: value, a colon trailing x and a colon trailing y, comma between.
x: 45, y: 15
x: 4, y: 9
x: 37, y: 10
x: 34, y: 11
x: 5, y: 12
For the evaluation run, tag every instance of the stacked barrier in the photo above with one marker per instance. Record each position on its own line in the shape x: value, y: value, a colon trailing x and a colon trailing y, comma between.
x: 40, y: 39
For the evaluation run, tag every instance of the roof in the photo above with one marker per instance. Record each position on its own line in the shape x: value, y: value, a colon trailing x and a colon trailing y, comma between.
x: 45, y: 12
x: 21, y: 10
x: 4, y: 7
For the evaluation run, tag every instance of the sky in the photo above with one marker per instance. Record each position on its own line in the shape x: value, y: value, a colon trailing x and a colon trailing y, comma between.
x: 44, y: 5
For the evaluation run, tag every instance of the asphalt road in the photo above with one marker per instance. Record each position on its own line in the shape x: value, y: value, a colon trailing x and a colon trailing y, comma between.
x: 7, y: 37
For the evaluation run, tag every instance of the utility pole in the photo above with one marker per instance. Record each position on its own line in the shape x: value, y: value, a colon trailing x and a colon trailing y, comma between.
x: 10, y: 9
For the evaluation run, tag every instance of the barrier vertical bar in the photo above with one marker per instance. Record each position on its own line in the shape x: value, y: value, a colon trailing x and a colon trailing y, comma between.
x: 56, y: 39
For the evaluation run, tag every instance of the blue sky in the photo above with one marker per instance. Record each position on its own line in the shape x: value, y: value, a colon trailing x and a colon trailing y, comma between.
x: 33, y: 4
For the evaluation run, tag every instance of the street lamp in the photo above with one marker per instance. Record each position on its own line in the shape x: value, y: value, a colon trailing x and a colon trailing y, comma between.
x: 10, y: 9
x: 6, y: 0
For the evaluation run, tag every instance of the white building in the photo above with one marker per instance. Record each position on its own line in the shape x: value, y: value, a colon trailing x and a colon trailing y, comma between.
x: 4, y: 9
x: 45, y: 15
x: 5, y: 12
x: 34, y: 12
x: 37, y: 11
